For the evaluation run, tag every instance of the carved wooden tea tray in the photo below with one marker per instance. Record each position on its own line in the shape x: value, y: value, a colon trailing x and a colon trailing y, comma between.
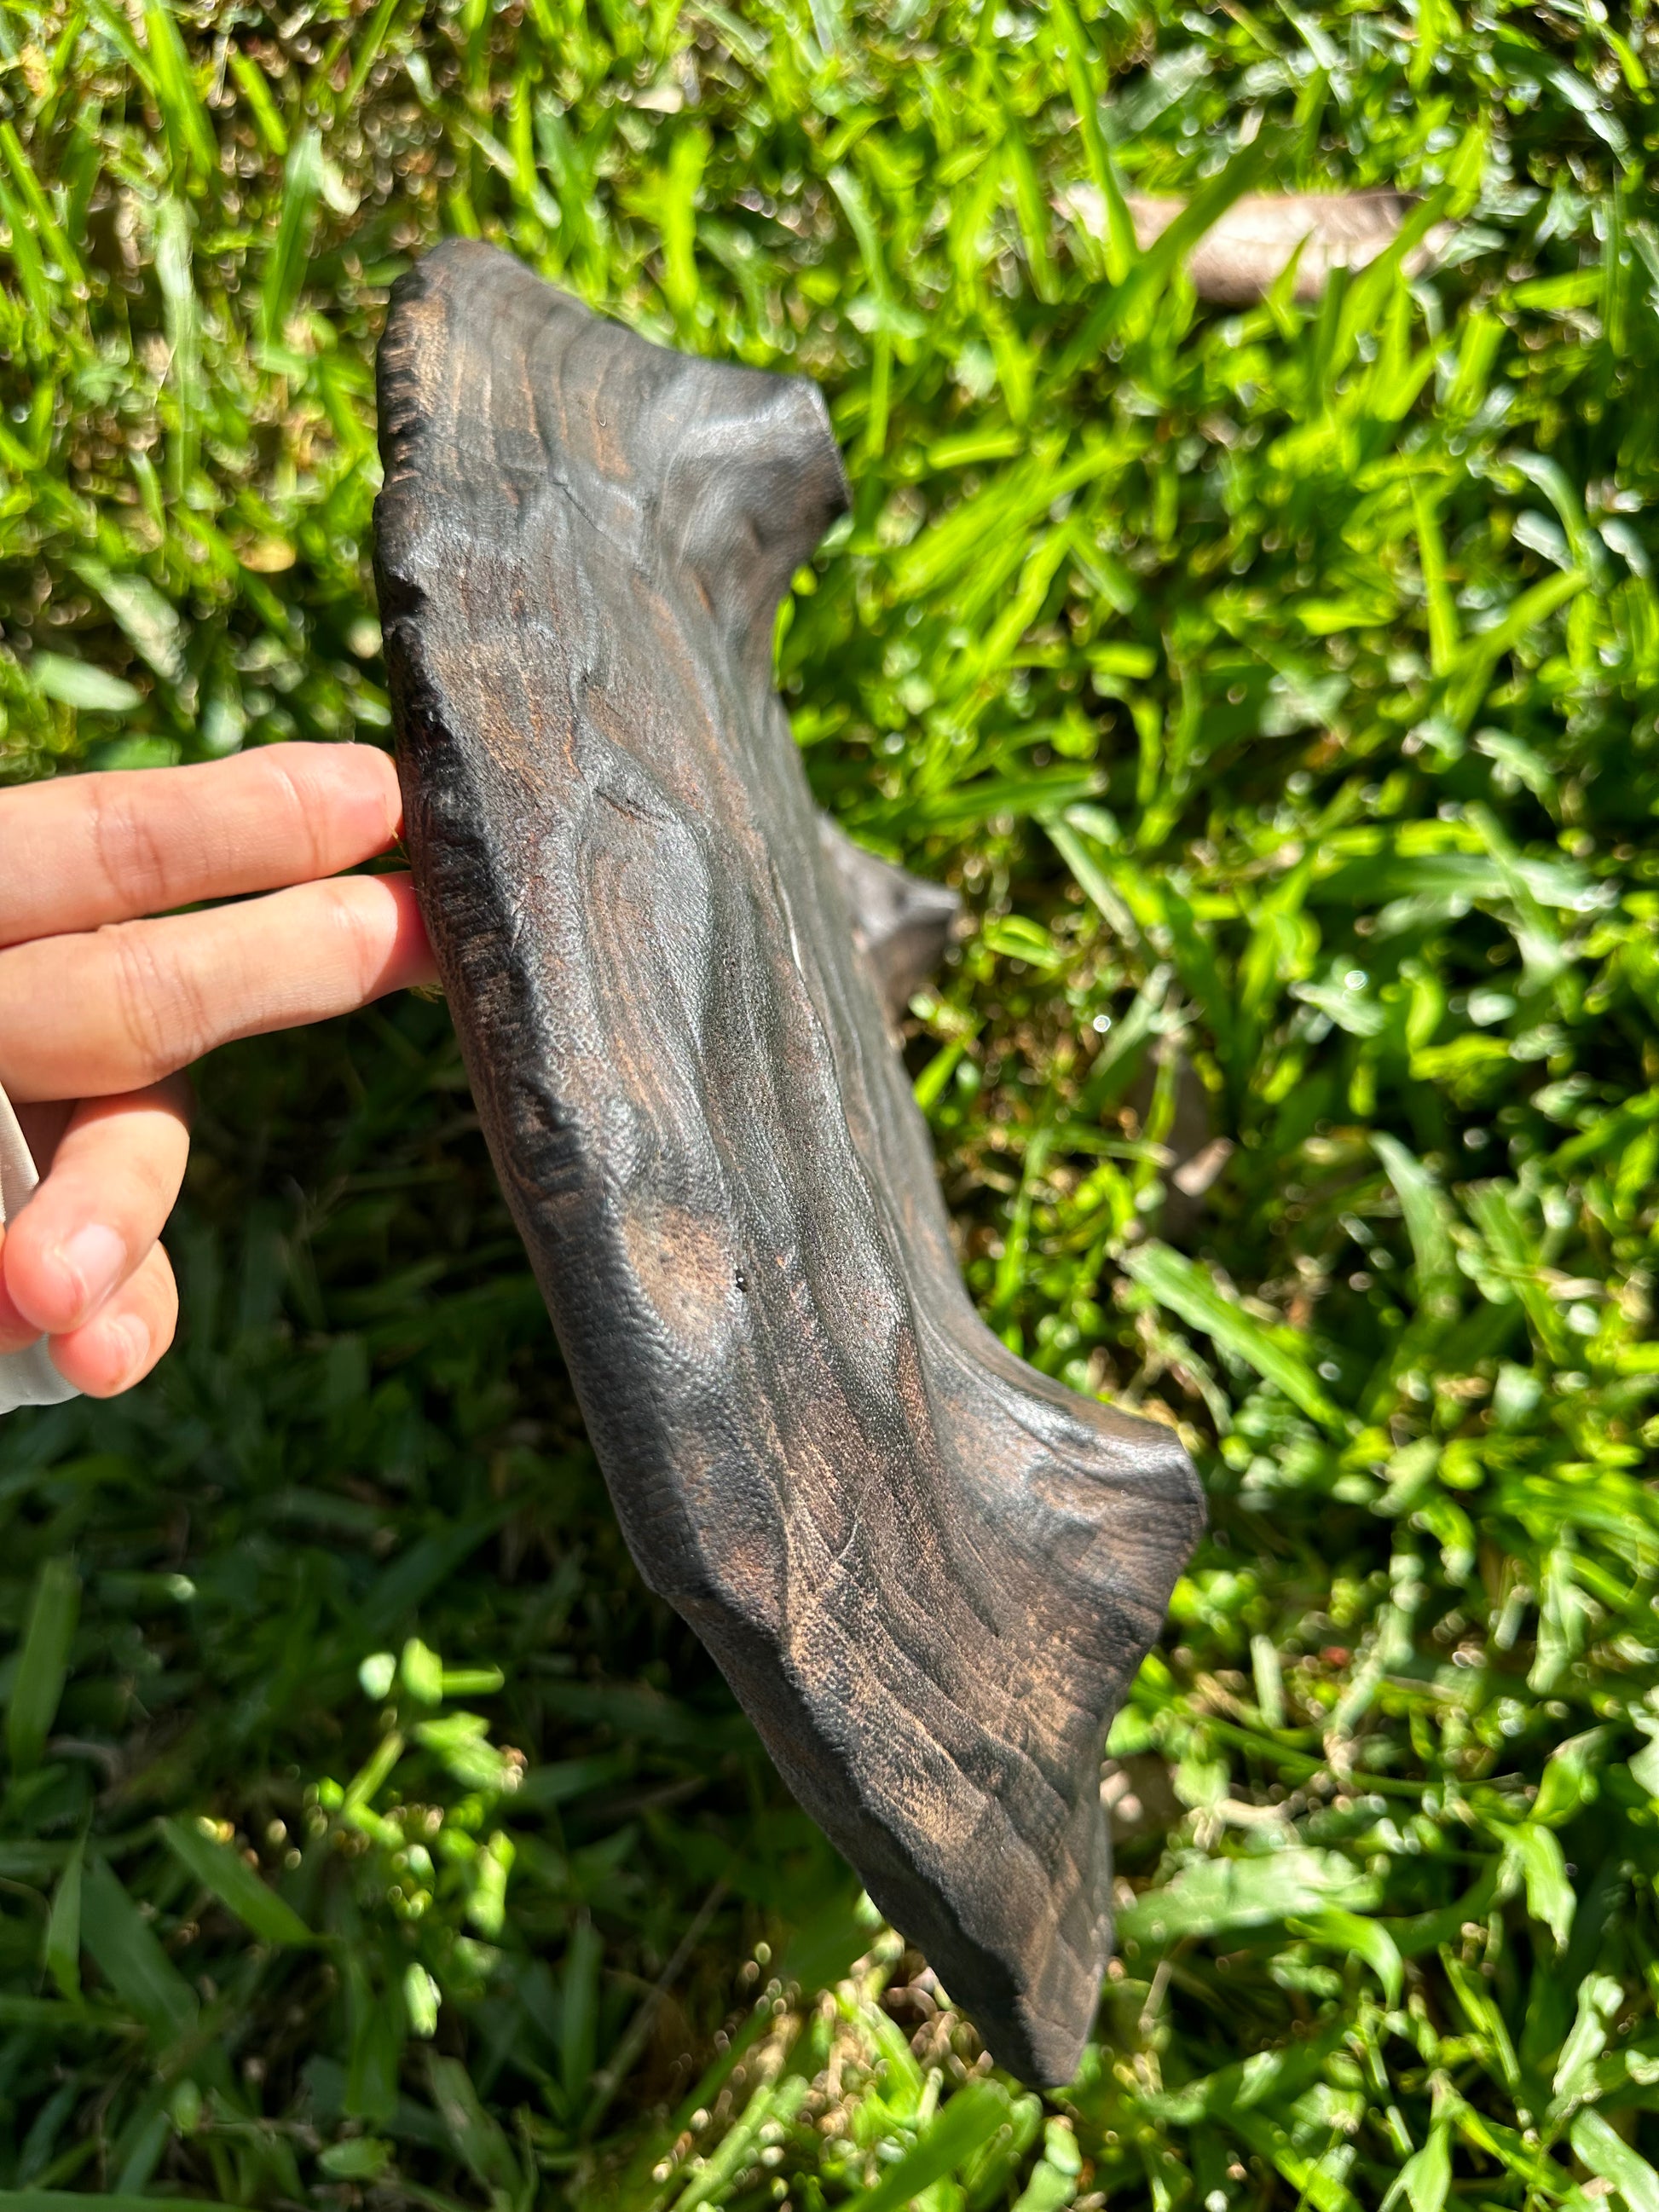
x: 927, y: 1572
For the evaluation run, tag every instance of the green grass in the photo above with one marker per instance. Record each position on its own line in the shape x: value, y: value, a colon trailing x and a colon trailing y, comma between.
x: 1282, y: 691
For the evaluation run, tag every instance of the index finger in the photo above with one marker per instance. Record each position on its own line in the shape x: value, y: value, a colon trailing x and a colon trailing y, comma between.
x: 87, y: 849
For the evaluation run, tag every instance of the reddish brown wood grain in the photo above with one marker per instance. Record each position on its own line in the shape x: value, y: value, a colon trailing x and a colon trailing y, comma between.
x: 927, y: 1572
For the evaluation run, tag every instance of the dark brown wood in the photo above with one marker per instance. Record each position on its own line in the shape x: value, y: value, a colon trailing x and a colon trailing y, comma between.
x: 901, y: 923
x: 927, y: 1572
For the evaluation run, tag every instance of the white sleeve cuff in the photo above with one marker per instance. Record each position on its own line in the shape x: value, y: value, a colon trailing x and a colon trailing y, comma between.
x: 27, y: 1377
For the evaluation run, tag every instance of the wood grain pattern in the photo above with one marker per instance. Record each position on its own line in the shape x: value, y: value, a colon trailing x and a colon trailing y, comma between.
x: 927, y: 1572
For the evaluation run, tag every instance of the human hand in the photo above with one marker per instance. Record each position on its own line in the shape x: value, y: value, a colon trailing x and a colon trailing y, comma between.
x: 100, y: 1010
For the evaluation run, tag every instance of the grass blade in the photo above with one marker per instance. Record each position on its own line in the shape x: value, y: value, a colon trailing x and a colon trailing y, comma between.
x: 285, y: 260
x: 233, y: 1882
x: 43, y: 1663
x: 128, y: 1952
x: 1176, y: 1282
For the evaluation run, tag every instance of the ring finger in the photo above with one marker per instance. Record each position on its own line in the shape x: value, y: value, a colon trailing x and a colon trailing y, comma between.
x: 132, y: 1002
x: 113, y: 1179
x: 125, y: 1337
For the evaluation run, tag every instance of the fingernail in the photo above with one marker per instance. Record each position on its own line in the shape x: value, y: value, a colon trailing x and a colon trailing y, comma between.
x: 129, y: 1333
x: 94, y: 1260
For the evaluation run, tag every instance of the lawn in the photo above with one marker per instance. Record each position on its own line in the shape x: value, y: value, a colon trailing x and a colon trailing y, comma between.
x: 1280, y: 688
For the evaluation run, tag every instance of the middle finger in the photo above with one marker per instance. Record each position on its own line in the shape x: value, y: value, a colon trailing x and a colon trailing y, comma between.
x: 119, y: 1008
x: 104, y: 1201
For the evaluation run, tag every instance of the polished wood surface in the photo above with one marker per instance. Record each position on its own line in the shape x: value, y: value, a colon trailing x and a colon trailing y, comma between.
x: 928, y: 1573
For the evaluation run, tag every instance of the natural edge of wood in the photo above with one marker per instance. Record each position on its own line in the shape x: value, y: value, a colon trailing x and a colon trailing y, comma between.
x: 929, y: 1570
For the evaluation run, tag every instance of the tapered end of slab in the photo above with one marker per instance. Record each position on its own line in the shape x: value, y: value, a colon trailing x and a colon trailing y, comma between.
x: 902, y: 923
x: 928, y: 1571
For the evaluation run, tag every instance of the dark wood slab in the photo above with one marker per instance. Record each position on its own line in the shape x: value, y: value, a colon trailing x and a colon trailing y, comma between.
x: 927, y: 1572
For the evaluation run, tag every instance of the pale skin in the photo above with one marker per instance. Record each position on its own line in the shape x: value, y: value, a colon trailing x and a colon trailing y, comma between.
x: 106, y: 995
